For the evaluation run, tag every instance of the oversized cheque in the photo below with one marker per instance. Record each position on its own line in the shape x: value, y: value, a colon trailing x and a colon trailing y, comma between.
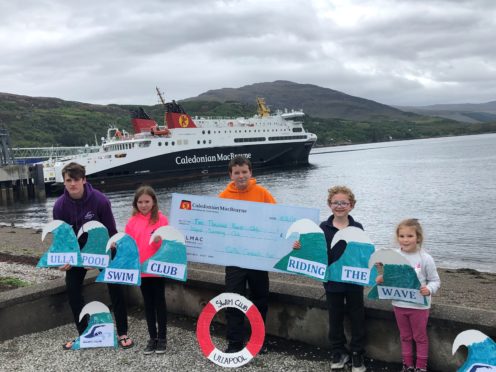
x: 235, y: 233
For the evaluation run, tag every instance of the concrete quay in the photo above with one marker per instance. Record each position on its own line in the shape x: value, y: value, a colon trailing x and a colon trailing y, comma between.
x: 21, y: 182
x: 297, y: 311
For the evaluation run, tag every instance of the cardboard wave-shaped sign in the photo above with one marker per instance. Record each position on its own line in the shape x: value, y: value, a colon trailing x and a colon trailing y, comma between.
x: 311, y: 259
x: 94, y: 252
x: 124, y: 267
x: 64, y: 248
x: 351, y: 249
x: 170, y: 260
x: 481, y: 351
x: 100, y: 331
x: 400, y: 279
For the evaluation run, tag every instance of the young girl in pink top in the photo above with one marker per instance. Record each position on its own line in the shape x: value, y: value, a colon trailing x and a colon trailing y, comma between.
x: 145, y: 220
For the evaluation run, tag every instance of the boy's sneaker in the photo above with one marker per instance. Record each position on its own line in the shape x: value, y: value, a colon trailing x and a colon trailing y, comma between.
x: 150, y: 347
x: 339, y: 360
x: 407, y: 369
x: 420, y: 370
x: 357, y: 362
x: 161, y: 346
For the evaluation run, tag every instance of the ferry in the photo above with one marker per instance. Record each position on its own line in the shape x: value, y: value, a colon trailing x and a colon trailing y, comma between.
x: 188, y: 147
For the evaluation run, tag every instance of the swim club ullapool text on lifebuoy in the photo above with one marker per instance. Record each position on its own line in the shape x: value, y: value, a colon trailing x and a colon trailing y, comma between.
x: 257, y: 337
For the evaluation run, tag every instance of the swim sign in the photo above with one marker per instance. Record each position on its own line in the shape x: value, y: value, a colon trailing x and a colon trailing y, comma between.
x: 124, y: 268
x: 230, y: 360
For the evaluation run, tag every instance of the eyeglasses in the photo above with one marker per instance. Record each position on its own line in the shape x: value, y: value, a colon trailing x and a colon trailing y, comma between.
x: 340, y: 204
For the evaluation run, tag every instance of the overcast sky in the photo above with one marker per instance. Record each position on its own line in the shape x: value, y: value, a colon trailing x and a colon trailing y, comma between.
x: 414, y: 52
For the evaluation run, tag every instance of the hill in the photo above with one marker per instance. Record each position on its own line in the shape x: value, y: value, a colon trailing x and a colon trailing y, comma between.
x: 463, y: 112
x: 314, y: 100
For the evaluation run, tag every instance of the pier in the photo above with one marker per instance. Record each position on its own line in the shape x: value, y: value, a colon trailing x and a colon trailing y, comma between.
x: 18, y: 182
x: 21, y: 183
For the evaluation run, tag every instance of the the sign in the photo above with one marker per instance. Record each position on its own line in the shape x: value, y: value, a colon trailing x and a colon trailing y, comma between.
x: 235, y: 233
x: 352, y: 249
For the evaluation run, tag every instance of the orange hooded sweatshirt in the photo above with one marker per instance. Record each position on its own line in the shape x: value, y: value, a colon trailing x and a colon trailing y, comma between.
x: 253, y: 192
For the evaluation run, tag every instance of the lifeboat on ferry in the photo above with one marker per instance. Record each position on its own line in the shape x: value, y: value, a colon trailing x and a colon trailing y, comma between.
x: 157, y: 131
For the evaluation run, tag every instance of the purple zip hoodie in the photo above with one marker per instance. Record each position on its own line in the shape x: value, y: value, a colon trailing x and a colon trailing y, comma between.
x: 93, y: 206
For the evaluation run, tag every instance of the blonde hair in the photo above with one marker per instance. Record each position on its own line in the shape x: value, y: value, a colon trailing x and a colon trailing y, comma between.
x: 341, y: 190
x: 146, y: 190
x: 415, y: 224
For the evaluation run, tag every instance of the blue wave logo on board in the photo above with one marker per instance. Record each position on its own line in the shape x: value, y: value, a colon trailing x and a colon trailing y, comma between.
x: 93, y: 332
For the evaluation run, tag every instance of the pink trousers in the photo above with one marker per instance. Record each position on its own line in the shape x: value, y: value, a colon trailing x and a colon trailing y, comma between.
x: 412, y: 324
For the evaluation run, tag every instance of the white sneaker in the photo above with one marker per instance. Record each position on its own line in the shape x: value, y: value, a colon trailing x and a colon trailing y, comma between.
x: 339, y: 360
x: 357, y: 363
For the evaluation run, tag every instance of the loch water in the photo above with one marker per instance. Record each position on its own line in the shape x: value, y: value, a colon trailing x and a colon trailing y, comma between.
x: 447, y: 183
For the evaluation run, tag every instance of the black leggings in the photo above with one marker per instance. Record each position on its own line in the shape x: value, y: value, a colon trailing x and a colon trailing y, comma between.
x: 74, y: 279
x: 153, y: 291
x: 337, y: 305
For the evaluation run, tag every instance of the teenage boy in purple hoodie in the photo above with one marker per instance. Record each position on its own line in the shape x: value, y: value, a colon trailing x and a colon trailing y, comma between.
x: 79, y: 204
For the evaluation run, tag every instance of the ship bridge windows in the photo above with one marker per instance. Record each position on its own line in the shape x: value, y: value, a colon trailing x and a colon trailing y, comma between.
x: 297, y: 130
x: 144, y: 144
x: 250, y: 139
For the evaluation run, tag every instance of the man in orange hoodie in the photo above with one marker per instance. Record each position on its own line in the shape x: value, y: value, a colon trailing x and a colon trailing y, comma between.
x: 244, y: 187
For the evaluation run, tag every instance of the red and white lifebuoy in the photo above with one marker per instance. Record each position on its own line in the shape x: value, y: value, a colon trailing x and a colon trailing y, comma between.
x: 231, y: 360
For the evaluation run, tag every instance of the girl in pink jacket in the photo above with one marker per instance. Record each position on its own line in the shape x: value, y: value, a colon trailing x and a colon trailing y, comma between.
x: 145, y: 220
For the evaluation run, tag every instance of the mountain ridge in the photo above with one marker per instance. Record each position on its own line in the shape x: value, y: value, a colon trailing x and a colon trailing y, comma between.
x: 315, y: 101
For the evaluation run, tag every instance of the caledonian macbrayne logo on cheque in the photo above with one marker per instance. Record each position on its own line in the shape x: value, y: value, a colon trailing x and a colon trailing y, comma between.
x: 185, y: 204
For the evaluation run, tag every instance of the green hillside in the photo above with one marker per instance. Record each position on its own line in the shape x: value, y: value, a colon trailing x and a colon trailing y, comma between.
x: 37, y: 122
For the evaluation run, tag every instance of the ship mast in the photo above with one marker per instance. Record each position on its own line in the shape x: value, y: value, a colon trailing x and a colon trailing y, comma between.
x: 163, y: 103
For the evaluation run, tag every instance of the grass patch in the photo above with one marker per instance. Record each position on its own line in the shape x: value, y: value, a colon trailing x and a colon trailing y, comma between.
x: 12, y: 282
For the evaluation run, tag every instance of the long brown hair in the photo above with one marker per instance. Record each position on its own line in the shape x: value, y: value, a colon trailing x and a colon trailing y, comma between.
x: 146, y: 190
